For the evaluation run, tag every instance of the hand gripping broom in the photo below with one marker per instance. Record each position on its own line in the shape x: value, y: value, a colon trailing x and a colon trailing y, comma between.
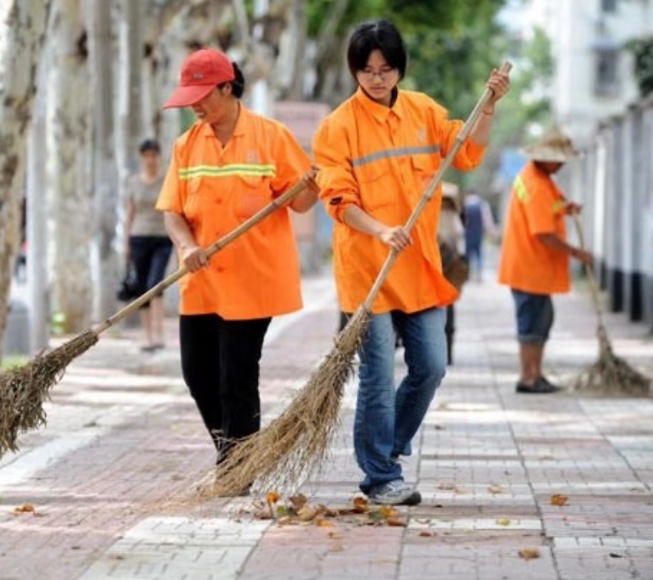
x: 610, y: 374
x: 298, y: 440
x: 24, y: 389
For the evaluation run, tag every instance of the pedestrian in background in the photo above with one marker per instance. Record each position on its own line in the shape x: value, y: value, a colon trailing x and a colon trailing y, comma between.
x: 451, y: 239
x: 479, y: 223
x: 535, y: 253
x: 229, y: 165
x: 148, y: 246
x: 377, y: 153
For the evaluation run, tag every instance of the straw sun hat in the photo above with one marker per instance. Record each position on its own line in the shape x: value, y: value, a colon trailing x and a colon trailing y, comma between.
x: 554, y: 146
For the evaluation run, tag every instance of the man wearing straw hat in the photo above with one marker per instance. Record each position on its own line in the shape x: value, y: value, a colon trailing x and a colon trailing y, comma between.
x: 535, y: 255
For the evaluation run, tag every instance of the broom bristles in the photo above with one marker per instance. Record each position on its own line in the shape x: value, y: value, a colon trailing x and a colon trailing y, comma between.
x: 611, y: 374
x: 297, y: 441
x: 24, y: 389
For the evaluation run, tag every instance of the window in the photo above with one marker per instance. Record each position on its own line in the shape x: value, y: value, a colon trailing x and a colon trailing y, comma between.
x: 608, y: 6
x: 606, y: 78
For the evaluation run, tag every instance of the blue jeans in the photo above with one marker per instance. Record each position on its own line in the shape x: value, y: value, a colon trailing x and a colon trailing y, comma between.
x: 388, y: 418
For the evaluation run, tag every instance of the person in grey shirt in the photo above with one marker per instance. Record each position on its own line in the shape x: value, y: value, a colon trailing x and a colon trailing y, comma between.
x: 148, y: 245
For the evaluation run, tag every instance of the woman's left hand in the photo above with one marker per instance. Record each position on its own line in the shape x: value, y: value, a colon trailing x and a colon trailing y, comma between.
x: 499, y: 84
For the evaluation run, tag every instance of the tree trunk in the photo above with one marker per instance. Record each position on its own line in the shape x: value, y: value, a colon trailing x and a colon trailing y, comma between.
x: 105, y: 171
x: 130, y: 81
x: 72, y: 284
x: 22, y: 28
x: 37, y: 221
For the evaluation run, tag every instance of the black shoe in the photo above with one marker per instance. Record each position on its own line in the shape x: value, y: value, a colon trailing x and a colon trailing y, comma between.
x: 540, y: 387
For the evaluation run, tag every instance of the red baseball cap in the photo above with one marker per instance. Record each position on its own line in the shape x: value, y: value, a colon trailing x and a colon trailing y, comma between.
x: 201, y: 72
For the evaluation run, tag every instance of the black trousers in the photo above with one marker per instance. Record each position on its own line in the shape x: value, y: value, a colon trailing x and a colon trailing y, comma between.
x: 220, y: 364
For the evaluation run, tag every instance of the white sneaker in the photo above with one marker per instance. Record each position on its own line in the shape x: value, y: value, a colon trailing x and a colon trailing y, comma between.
x: 395, y: 493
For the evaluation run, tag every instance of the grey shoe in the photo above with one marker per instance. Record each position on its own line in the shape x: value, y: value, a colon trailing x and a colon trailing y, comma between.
x: 395, y: 493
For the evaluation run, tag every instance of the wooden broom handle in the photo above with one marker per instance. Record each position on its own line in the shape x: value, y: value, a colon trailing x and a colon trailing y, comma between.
x: 210, y: 251
x: 432, y: 186
x: 591, y: 280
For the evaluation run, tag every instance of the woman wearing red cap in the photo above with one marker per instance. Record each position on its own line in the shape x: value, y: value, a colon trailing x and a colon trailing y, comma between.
x: 230, y: 164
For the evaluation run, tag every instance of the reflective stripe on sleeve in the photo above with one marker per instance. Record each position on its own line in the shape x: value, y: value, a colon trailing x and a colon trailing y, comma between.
x: 520, y: 189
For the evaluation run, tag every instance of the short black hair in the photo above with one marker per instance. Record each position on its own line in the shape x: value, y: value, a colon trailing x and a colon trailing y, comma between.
x: 149, y: 145
x: 238, y: 84
x: 373, y: 35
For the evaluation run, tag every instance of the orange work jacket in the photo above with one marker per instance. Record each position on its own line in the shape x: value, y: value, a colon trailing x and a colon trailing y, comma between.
x: 215, y: 189
x: 536, y: 206
x: 381, y: 159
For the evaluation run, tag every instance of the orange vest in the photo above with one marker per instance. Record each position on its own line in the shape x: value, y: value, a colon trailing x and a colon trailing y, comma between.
x: 215, y: 189
x: 536, y: 206
x: 382, y: 159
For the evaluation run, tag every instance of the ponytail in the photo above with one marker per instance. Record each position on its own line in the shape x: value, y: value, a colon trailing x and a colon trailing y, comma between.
x: 238, y: 84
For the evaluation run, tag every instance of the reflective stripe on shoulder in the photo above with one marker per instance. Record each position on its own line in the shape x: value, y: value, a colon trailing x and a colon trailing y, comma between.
x: 229, y: 170
x: 520, y: 189
x: 389, y: 153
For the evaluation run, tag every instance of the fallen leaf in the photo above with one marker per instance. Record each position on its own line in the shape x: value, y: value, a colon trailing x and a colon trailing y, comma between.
x: 438, y: 427
x: 375, y: 517
x: 284, y: 521
x: 282, y: 512
x: 443, y: 407
x: 307, y: 514
x: 495, y: 489
x: 397, y: 522
x: 425, y: 534
x: 503, y: 521
x: 360, y: 505
x: 559, y: 499
x: 529, y: 553
x: 615, y: 555
x: 447, y: 486
x: 460, y: 491
x: 332, y: 535
x: 388, y: 512
x: 324, y: 524
x: 26, y: 508
x: 298, y: 501
x: 327, y: 511
x: 272, y: 497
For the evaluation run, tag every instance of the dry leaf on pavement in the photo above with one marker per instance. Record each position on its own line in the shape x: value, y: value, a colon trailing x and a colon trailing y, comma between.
x: 298, y: 501
x: 495, y: 489
x: 361, y: 505
x: 559, y: 499
x: 529, y: 553
x: 425, y: 534
x: 503, y: 521
x: 307, y: 514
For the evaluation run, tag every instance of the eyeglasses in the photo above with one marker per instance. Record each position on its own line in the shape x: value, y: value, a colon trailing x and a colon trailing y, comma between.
x: 383, y: 74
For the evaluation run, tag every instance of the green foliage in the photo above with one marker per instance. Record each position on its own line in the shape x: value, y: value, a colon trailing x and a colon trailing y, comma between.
x: 643, y: 51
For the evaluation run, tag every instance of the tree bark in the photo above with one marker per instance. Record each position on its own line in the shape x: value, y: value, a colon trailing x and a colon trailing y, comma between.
x: 71, y: 211
x: 104, y: 168
x: 22, y: 27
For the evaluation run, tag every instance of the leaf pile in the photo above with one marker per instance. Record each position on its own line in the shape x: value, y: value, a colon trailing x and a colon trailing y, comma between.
x: 296, y: 510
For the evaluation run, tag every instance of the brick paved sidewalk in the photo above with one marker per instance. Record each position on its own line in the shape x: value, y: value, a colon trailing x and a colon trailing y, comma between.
x: 124, y: 443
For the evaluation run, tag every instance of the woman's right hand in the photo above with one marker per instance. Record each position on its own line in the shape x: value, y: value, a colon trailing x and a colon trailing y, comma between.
x: 194, y: 258
x: 396, y: 237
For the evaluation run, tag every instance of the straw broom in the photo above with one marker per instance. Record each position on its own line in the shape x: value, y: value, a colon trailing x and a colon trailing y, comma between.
x: 297, y: 441
x: 24, y: 389
x: 610, y: 374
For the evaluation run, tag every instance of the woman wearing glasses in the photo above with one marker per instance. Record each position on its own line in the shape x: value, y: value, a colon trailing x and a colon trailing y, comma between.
x: 377, y: 152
